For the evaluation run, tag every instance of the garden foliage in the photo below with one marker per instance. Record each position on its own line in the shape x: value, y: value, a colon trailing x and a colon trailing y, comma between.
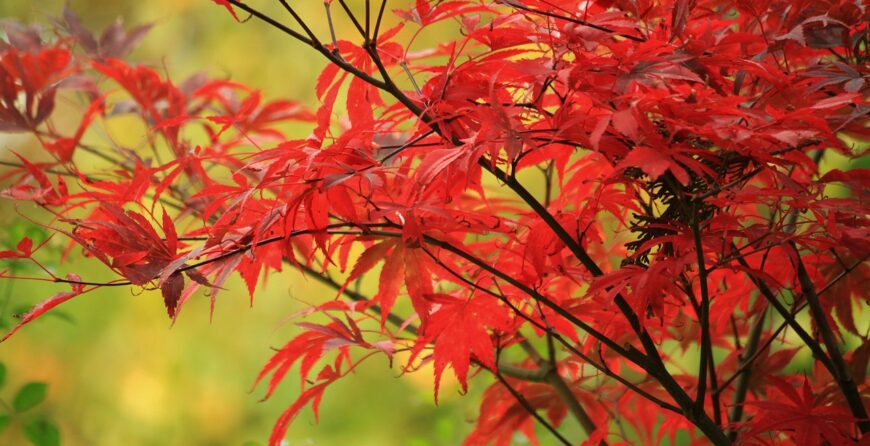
x: 646, y: 216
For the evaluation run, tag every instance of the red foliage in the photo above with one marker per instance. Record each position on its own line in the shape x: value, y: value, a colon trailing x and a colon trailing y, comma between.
x: 567, y: 195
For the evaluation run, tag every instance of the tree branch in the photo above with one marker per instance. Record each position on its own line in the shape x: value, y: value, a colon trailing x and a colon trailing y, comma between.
x: 656, y: 367
x: 768, y: 294
x: 704, y: 313
x: 550, y: 370
x: 559, y: 338
x: 530, y: 409
x: 840, y: 370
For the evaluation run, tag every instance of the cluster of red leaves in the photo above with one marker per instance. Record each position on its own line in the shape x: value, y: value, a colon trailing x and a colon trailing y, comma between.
x: 683, y: 207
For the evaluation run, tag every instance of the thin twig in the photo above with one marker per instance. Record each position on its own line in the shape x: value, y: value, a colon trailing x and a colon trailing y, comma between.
x: 530, y: 409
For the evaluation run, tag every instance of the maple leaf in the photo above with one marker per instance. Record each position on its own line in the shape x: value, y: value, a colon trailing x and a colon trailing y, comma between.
x: 24, y: 250
x: 459, y: 330
x: 128, y: 243
x: 312, y: 395
x: 229, y: 8
x: 807, y: 418
x: 651, y: 161
x: 553, y: 173
x: 390, y: 282
x: 34, y: 76
x: 45, y: 192
x: 114, y: 41
x: 501, y: 415
x: 63, y: 148
x: 41, y: 308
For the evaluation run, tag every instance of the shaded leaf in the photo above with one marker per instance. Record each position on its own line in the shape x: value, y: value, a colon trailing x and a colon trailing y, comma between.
x: 29, y: 396
x: 42, y: 432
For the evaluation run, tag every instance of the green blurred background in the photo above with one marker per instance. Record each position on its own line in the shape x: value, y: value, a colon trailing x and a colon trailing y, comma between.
x: 117, y: 373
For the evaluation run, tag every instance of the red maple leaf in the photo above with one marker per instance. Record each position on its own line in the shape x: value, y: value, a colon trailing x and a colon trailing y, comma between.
x: 461, y: 331
x: 807, y: 419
